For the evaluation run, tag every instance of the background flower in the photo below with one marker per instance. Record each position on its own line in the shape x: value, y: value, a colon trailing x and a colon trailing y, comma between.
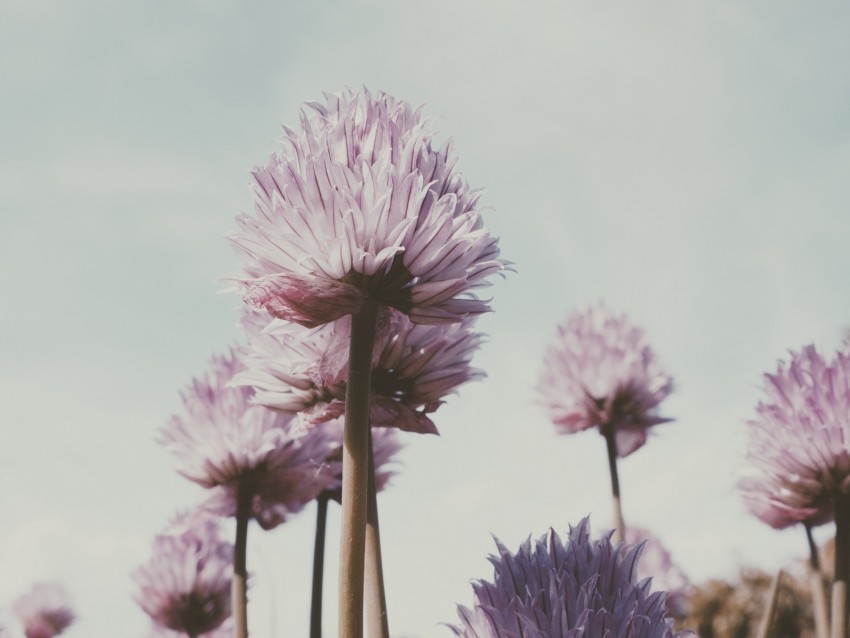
x: 655, y: 562
x: 358, y: 204
x: 599, y: 372
x: 45, y: 610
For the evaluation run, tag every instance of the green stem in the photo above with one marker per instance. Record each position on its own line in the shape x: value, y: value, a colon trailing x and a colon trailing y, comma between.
x: 620, y: 526
x: 376, y: 598
x: 841, y: 503
x: 816, y: 587
x: 355, y: 472
x: 318, y: 566
x: 240, y: 571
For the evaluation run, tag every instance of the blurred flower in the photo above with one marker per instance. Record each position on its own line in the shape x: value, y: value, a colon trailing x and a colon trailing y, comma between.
x: 599, y: 372
x: 385, y: 445
x: 358, y: 204
x: 415, y: 366
x: 186, y: 585
x: 224, y: 631
x: 579, y: 588
x: 45, y: 611
x: 799, y: 442
x: 656, y: 563
x: 226, y: 444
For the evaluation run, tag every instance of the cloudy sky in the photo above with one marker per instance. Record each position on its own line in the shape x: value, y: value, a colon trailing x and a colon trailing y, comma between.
x: 687, y: 162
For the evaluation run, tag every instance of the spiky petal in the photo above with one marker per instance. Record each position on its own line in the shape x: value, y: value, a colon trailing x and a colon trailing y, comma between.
x: 656, y: 563
x: 359, y: 204
x: 799, y: 442
x: 600, y: 372
x: 45, y: 611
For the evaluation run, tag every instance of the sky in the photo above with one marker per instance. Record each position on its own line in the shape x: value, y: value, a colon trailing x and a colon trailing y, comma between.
x: 686, y: 162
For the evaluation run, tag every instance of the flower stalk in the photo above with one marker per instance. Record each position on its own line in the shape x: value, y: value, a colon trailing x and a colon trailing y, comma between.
x: 770, y: 609
x: 841, y: 504
x: 355, y: 471
x: 611, y: 443
x: 376, y: 599
x: 318, y: 566
x: 816, y: 586
x: 240, y: 571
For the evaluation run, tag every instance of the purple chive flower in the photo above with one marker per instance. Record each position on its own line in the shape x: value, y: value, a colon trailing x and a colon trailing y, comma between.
x: 186, y: 585
x: 45, y: 611
x: 579, y: 588
x: 359, y: 205
x: 656, y: 563
x: 226, y: 443
x: 799, y: 442
x: 600, y: 373
x: 414, y: 367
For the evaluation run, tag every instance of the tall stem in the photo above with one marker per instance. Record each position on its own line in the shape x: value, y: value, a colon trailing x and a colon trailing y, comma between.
x: 355, y: 472
x: 240, y: 571
x: 318, y: 566
x: 620, y: 526
x: 816, y: 587
x: 841, y: 503
x: 770, y: 608
x: 376, y: 598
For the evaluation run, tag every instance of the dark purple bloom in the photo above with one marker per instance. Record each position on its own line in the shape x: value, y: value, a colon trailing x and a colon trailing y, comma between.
x: 45, y: 611
x: 578, y: 588
x: 599, y: 372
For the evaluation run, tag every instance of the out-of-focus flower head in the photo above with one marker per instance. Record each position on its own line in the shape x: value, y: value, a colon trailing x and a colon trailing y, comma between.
x: 580, y: 588
x: 799, y: 442
x: 225, y: 630
x: 185, y: 587
x: 45, y: 611
x: 656, y: 563
x: 226, y: 443
x: 414, y: 367
x: 600, y: 372
x: 359, y: 205
x: 385, y: 445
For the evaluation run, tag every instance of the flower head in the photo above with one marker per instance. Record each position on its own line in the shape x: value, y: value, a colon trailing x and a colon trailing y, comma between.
x: 226, y: 443
x: 414, y: 367
x: 358, y: 205
x: 656, y: 563
x: 600, y: 373
x: 186, y: 585
x: 799, y: 442
x: 45, y: 610
x: 580, y: 588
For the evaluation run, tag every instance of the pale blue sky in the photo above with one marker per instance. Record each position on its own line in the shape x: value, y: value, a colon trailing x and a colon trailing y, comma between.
x: 686, y: 162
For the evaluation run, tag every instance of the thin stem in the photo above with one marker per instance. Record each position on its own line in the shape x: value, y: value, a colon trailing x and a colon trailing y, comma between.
x: 770, y: 609
x: 240, y: 571
x: 816, y: 587
x: 355, y: 472
x: 376, y: 598
x: 620, y: 526
x: 841, y: 503
x: 318, y: 566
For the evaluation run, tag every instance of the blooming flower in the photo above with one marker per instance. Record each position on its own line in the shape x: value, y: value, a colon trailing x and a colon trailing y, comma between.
x: 799, y: 442
x: 414, y: 367
x: 45, y: 610
x: 580, y: 588
x: 599, y: 372
x: 226, y: 443
x: 656, y: 563
x: 186, y: 585
x: 359, y: 205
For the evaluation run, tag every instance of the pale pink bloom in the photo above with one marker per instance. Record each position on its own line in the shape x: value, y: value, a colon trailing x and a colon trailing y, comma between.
x: 45, y: 611
x: 799, y: 442
x: 226, y: 442
x: 358, y: 204
x: 656, y: 563
x: 600, y: 373
x: 415, y: 367
x: 185, y: 587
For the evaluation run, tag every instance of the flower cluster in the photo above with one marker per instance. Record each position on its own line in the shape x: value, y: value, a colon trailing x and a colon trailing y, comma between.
x: 799, y: 442
x: 359, y: 205
x: 580, y: 588
x: 600, y: 373
x: 45, y: 611
x: 227, y: 444
x: 186, y: 585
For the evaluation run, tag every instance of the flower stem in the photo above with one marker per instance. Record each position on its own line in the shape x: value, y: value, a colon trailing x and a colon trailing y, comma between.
x: 355, y: 472
x: 318, y: 566
x: 816, y: 586
x: 240, y: 572
x: 620, y: 526
x: 841, y: 503
x: 770, y: 609
x: 376, y: 598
